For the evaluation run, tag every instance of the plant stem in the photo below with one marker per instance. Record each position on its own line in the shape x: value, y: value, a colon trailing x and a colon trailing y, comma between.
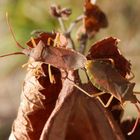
x: 83, y: 42
x: 68, y: 36
x: 72, y: 44
x: 73, y: 24
x: 62, y: 25
x: 69, y: 30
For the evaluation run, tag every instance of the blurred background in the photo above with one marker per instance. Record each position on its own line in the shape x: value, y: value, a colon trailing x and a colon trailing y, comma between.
x: 28, y: 15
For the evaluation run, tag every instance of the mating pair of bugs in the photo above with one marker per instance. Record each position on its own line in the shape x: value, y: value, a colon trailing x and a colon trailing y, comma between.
x: 101, y: 72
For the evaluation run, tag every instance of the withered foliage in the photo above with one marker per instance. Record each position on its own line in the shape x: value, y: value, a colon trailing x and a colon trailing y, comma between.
x: 94, y: 19
x: 74, y: 116
x: 38, y: 99
x: 58, y: 109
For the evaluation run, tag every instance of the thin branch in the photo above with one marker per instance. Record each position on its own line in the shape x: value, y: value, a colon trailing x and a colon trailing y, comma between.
x: 83, y: 42
x: 62, y: 25
x: 68, y: 36
x: 69, y: 30
x: 73, y: 24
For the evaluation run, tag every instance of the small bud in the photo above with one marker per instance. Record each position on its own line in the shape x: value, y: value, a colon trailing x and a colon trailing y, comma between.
x: 58, y: 12
x: 55, y: 11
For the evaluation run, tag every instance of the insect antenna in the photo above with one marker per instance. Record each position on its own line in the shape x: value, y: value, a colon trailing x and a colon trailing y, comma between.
x: 13, y: 35
x: 85, y: 92
x: 12, y: 32
x: 14, y: 53
x: 136, y: 122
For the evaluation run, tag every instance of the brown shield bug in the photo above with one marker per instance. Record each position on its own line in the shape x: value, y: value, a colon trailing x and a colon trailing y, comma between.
x: 106, y: 78
x: 51, y: 48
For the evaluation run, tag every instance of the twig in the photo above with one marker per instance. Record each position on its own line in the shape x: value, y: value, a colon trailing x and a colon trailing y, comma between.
x: 62, y: 25
x: 69, y: 30
x: 73, y: 24
x: 83, y: 42
x: 68, y: 36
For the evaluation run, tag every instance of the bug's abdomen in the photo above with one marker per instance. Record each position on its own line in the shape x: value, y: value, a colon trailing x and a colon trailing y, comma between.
x: 105, y: 77
x: 96, y: 76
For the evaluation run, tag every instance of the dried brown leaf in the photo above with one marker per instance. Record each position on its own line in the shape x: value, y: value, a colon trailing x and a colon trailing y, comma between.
x: 38, y: 99
x: 94, y: 19
x: 77, y: 116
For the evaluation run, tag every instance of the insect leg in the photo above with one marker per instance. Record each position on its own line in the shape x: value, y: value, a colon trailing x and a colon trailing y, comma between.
x: 34, y: 45
x: 97, y: 94
x: 26, y: 64
x: 51, y: 76
x: 132, y: 76
x: 33, y: 42
x: 56, y: 40
x: 108, y: 103
x: 136, y: 122
x: 90, y: 95
x: 49, y: 41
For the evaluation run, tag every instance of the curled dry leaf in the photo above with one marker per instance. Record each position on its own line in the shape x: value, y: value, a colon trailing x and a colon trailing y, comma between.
x: 107, y: 48
x: 77, y: 116
x: 94, y: 19
x: 38, y: 99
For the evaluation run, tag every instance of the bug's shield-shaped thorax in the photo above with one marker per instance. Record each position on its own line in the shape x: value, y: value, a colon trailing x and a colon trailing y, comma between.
x: 106, y: 78
x: 36, y: 52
